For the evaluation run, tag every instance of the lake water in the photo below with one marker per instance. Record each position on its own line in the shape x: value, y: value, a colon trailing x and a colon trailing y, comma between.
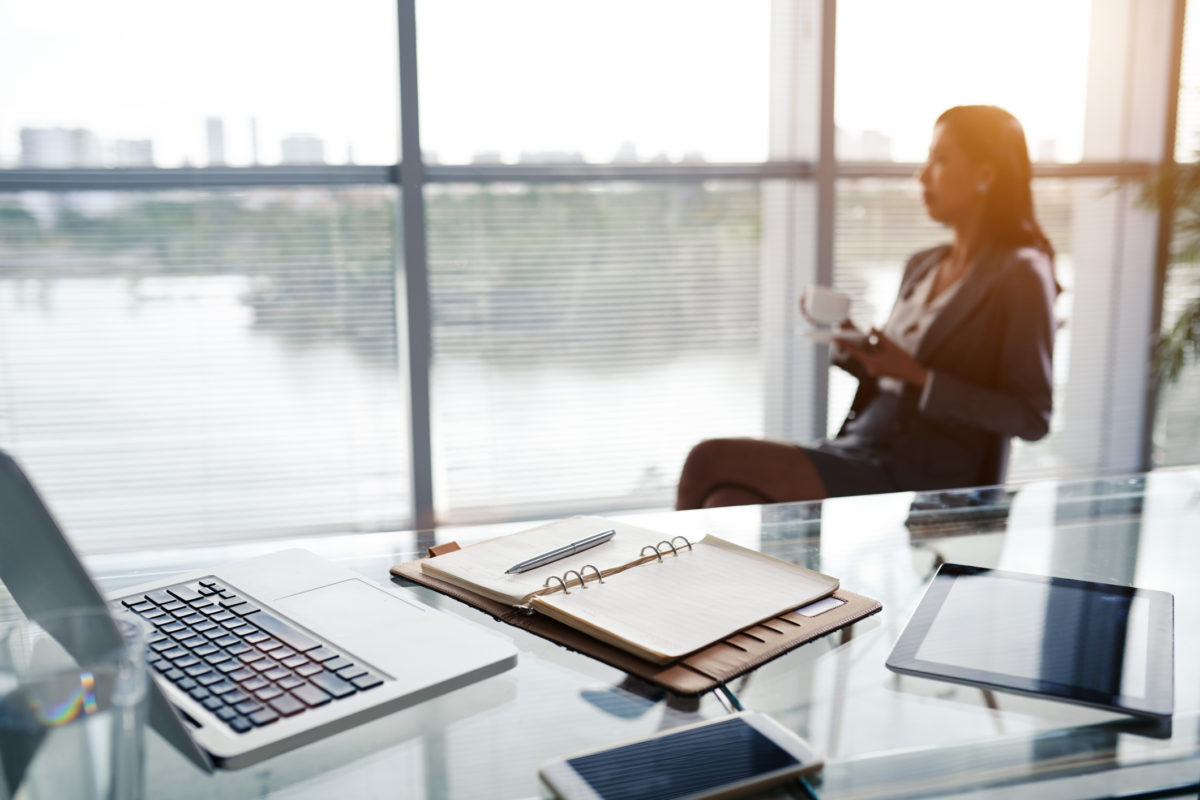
x: 156, y: 409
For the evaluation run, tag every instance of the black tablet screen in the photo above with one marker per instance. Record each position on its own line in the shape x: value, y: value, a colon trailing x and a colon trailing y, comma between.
x: 1093, y: 643
x: 1060, y: 634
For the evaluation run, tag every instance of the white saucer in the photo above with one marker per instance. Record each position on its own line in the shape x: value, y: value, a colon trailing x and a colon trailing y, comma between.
x: 825, y: 336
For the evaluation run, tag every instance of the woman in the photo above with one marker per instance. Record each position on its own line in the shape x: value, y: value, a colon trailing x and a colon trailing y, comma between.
x: 962, y: 365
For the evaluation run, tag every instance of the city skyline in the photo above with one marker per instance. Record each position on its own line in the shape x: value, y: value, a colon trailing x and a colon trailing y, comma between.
x: 688, y: 78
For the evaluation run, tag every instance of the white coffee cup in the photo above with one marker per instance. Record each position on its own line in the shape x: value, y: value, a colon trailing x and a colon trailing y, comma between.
x: 824, y: 305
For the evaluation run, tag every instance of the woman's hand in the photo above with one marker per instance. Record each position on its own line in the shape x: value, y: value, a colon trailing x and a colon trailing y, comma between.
x: 883, y: 358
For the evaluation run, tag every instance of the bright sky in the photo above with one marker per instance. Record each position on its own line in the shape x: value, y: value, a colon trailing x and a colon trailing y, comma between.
x: 668, y: 76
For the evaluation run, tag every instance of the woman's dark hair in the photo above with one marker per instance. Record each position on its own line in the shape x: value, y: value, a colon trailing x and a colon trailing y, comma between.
x: 991, y: 135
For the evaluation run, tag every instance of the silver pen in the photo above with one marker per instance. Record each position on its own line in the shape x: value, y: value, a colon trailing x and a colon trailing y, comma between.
x: 562, y: 552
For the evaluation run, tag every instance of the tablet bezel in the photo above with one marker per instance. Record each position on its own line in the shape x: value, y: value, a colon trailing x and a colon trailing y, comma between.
x: 1160, y: 652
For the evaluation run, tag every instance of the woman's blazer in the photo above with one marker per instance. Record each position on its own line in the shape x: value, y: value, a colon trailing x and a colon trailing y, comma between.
x: 989, y: 356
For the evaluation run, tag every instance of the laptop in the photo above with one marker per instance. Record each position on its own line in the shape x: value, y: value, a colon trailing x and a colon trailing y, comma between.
x: 257, y: 656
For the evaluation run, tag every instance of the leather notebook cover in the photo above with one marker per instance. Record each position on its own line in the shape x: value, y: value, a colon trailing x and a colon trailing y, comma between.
x: 694, y: 674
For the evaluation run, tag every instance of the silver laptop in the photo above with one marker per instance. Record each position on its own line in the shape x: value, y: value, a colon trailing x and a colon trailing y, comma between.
x: 257, y: 656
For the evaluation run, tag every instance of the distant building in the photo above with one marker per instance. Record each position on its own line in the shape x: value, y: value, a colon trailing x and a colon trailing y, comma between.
x: 626, y: 154
x: 133, y: 153
x: 487, y: 157
x: 59, y: 148
x: 863, y: 146
x: 302, y: 148
x: 214, y: 129
x: 551, y: 157
x: 1047, y: 150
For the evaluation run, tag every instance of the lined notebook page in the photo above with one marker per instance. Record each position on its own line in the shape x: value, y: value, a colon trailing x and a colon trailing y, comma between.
x: 481, y: 567
x: 662, y: 611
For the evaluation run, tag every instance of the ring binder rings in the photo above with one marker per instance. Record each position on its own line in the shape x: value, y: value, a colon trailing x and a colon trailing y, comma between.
x: 654, y: 551
x: 708, y: 613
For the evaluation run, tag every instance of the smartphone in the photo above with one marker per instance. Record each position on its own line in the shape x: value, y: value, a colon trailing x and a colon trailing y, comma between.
x: 710, y: 759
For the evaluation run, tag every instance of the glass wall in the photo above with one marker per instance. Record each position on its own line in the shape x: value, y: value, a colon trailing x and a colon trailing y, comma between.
x: 202, y: 293
x: 179, y: 363
x: 1176, y: 432
x: 585, y: 336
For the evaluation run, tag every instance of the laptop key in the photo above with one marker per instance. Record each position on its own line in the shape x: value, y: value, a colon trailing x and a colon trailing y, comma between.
x: 367, y: 681
x: 225, y: 713
x: 335, y: 664
x: 244, y: 609
x: 351, y: 672
x: 212, y: 702
x: 311, y: 695
x: 160, y: 597
x: 287, y: 705
x: 268, y: 693
x: 276, y: 674
x: 263, y: 716
x: 309, y: 669
x: 240, y: 724
x: 185, y: 593
x: 333, y: 684
x: 282, y: 631
x: 254, y: 684
x: 289, y: 683
x: 248, y: 707
x: 322, y: 653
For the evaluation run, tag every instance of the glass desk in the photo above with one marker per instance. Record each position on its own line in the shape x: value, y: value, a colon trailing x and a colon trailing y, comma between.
x: 883, y: 735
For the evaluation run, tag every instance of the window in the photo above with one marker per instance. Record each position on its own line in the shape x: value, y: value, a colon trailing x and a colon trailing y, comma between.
x: 183, y: 363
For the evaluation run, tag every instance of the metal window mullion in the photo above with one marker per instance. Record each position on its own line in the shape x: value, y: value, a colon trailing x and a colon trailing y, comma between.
x: 1166, y: 225
x: 827, y: 170
x: 411, y: 234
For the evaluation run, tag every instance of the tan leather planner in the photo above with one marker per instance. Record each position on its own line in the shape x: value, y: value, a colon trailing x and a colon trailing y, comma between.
x: 687, y: 616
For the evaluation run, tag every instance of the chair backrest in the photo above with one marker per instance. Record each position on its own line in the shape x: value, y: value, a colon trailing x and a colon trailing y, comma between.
x: 994, y: 466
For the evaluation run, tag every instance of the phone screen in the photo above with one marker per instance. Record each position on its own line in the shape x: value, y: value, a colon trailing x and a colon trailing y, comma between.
x: 684, y: 763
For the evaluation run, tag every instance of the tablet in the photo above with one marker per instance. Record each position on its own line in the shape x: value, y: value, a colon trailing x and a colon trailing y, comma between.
x: 1095, y: 644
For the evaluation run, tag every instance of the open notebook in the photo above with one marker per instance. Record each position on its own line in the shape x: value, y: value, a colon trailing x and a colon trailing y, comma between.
x: 709, y: 605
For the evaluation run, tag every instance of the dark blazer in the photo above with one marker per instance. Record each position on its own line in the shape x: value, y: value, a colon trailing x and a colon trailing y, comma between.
x: 989, y: 356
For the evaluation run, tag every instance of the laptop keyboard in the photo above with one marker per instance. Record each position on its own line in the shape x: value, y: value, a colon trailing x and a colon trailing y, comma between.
x: 247, y: 666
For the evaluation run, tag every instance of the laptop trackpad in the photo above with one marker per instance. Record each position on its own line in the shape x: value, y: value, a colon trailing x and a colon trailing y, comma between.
x: 347, y: 608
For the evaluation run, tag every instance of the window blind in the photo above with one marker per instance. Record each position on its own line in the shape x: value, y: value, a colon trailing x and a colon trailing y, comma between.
x: 195, y: 365
x: 585, y: 337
